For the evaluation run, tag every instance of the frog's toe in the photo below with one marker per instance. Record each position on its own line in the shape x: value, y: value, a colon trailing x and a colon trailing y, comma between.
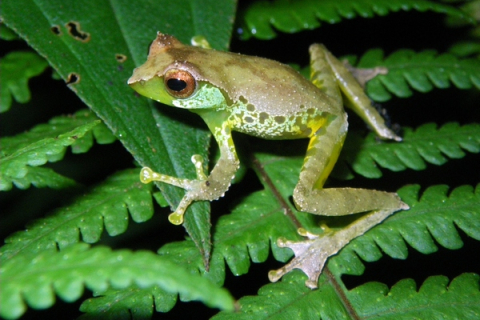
x: 176, y: 218
x: 146, y: 175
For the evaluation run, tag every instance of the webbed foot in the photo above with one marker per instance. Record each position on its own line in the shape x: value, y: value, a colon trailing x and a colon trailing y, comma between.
x: 193, y: 187
x: 311, y: 254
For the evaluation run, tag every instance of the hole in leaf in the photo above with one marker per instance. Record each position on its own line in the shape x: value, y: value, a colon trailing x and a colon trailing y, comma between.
x: 121, y: 58
x: 73, y: 78
x: 56, y: 30
x: 76, y: 32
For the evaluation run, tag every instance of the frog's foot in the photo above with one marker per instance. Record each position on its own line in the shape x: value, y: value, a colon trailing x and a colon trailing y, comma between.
x: 193, y: 187
x: 363, y: 75
x: 312, y: 253
x: 200, y: 41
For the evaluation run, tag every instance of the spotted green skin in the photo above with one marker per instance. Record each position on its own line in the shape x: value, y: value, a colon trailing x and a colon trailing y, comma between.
x: 270, y: 100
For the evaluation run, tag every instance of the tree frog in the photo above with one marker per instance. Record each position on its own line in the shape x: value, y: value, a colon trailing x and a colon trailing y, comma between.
x: 270, y: 100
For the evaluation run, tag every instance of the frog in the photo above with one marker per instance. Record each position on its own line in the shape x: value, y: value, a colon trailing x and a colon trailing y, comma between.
x: 270, y: 100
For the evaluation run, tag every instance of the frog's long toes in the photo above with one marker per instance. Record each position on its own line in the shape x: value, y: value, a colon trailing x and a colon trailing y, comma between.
x: 275, y: 275
x: 197, y: 161
x: 146, y: 175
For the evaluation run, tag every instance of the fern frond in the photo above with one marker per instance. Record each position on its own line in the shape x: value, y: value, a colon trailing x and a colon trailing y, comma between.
x: 293, y: 16
x: 48, y: 142
x: 290, y: 299
x: 434, y: 218
x: 420, y: 71
x: 135, y: 300
x: 247, y: 232
x: 105, y: 206
x: 426, y: 143
x: 35, y: 278
x: 16, y: 69
x: 57, y: 126
x: 435, y: 299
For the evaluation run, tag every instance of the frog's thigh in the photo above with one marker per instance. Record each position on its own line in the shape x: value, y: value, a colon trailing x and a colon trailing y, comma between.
x: 322, y: 154
x: 354, y: 94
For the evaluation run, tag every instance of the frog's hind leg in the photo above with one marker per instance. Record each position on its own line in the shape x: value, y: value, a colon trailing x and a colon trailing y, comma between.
x: 322, y: 153
x: 330, y: 76
x: 353, y: 93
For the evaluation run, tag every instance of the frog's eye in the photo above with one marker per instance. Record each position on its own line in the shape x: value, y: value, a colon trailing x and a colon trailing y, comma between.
x: 179, y: 83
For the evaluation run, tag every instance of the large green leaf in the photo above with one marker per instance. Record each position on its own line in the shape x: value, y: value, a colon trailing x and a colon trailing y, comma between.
x: 94, y: 46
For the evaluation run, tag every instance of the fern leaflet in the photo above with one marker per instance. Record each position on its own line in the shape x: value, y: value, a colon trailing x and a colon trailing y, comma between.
x: 48, y: 142
x: 35, y: 277
x: 107, y: 204
x: 294, y: 16
x: 421, y: 71
x: 43, y: 177
x: 435, y: 299
x: 426, y: 143
x: 16, y: 69
x: 129, y: 303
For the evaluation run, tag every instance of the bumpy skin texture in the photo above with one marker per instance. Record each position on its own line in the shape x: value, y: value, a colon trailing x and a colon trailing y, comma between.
x: 267, y: 99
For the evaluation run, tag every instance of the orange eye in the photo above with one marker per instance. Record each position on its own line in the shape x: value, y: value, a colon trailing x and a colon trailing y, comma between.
x: 179, y: 83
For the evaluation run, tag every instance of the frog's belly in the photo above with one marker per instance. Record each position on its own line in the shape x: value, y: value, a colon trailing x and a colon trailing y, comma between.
x: 293, y: 126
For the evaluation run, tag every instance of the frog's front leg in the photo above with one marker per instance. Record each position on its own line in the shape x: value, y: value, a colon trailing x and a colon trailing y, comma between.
x: 204, y: 187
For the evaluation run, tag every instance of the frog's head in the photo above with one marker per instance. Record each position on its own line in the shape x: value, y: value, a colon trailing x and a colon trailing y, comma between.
x: 169, y: 77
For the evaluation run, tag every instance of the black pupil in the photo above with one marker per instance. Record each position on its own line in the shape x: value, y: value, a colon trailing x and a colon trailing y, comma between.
x: 176, y: 84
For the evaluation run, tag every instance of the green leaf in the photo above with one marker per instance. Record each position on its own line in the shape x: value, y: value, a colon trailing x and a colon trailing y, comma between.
x: 261, y: 17
x: 420, y: 71
x: 87, y: 42
x: 17, y: 159
x: 427, y: 143
x: 35, y: 278
x: 16, y: 69
x: 106, y: 206
x: 437, y: 298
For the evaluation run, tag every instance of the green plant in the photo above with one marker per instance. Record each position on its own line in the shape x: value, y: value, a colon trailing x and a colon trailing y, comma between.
x: 94, y: 47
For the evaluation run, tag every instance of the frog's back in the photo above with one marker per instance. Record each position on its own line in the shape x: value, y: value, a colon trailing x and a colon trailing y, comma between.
x: 268, y: 85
